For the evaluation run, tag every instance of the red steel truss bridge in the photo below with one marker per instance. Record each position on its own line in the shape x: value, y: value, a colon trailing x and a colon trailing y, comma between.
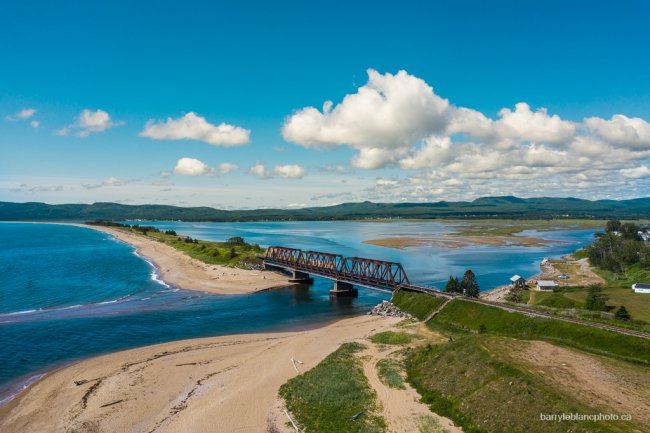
x: 378, y: 274
x: 345, y: 271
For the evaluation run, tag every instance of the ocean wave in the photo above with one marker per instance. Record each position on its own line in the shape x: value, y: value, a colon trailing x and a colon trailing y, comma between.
x: 47, y: 310
x: 154, y: 275
x: 15, y: 389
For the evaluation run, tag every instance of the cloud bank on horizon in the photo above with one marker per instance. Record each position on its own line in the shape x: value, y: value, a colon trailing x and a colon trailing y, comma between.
x: 431, y: 148
x: 398, y: 120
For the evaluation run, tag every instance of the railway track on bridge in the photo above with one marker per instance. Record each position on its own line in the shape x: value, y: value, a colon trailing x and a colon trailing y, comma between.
x: 390, y: 276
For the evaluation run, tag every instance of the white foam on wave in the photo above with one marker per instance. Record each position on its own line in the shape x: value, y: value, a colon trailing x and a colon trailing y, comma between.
x: 20, y: 387
x: 15, y: 313
x: 154, y: 275
x: 48, y: 310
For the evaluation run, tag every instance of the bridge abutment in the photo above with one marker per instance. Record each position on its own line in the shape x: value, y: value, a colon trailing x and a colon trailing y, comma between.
x: 342, y: 288
x: 300, y: 277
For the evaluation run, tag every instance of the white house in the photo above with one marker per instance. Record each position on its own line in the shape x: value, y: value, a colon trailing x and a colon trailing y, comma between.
x: 546, y: 285
x: 641, y: 287
x: 518, y: 281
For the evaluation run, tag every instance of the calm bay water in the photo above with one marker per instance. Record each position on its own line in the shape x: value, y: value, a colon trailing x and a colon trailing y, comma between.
x: 68, y: 292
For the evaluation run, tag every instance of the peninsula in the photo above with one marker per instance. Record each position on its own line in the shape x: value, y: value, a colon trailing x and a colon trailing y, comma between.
x: 186, y: 272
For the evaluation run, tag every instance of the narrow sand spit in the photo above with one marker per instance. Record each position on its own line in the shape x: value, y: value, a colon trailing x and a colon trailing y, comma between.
x: 188, y: 273
x: 220, y: 384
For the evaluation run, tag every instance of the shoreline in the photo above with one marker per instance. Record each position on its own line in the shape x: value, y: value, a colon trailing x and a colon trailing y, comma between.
x: 199, y: 383
x: 180, y: 270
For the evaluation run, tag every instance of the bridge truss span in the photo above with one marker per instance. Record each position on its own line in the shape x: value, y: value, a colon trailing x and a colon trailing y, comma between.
x: 366, y: 272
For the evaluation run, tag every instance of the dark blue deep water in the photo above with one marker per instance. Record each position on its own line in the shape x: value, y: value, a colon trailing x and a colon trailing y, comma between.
x: 69, y: 292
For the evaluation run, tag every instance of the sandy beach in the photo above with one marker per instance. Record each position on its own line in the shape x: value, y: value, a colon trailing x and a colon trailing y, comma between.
x: 188, y: 273
x: 219, y: 384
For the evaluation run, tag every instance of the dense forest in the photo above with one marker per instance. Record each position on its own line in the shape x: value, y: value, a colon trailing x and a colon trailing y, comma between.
x: 620, y: 247
x: 486, y: 207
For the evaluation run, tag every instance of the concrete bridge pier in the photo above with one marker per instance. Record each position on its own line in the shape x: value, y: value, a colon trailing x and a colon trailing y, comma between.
x: 300, y: 277
x: 343, y: 289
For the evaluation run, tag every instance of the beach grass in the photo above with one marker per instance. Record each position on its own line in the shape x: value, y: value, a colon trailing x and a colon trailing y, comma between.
x: 463, y: 316
x: 389, y: 371
x: 429, y: 424
x: 391, y: 337
x: 330, y: 395
x: 555, y: 300
x: 420, y: 305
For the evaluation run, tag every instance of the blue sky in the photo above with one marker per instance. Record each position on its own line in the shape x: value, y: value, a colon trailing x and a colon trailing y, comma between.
x: 97, y: 73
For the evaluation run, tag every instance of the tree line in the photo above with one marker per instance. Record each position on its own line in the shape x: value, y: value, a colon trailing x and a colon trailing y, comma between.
x: 620, y: 247
x: 467, y: 286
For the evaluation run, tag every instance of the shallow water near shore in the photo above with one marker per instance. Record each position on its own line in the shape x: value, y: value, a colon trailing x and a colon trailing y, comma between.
x: 69, y: 292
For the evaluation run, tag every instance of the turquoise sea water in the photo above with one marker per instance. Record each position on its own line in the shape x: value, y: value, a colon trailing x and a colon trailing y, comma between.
x: 69, y: 292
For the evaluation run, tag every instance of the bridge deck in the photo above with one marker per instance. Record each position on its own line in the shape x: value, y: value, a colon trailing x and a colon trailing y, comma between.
x: 375, y: 274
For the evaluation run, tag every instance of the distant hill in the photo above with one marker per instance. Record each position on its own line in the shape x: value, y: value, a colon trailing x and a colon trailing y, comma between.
x: 485, y: 207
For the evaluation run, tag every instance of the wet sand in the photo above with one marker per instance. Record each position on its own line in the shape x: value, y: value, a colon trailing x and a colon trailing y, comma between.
x: 221, y: 384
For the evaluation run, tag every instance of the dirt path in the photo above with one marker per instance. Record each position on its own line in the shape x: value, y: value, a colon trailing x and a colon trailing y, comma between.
x: 617, y: 387
x: 401, y: 408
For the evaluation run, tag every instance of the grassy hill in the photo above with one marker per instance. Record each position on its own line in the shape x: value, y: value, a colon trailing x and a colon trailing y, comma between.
x: 486, y: 207
x: 499, y: 371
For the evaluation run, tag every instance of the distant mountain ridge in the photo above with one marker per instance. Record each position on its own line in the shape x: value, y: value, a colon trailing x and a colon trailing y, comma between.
x: 484, y: 207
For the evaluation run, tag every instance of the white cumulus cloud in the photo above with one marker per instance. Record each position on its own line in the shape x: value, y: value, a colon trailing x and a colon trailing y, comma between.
x: 226, y: 167
x: 192, y: 167
x: 89, y: 122
x: 636, y: 172
x: 290, y: 171
x: 389, y: 111
x: 527, y: 125
x: 194, y: 127
x: 631, y: 132
x: 260, y: 171
x: 23, y: 114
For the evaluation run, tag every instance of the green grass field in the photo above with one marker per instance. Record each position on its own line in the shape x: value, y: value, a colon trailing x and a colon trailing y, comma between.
x: 325, y: 398
x: 473, y: 382
x: 420, y: 305
x: 557, y: 299
x: 390, y: 337
x: 618, y: 288
x: 463, y: 316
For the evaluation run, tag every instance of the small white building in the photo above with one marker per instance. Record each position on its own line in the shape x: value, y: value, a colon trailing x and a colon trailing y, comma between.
x: 546, y: 285
x: 641, y: 287
x: 518, y: 281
